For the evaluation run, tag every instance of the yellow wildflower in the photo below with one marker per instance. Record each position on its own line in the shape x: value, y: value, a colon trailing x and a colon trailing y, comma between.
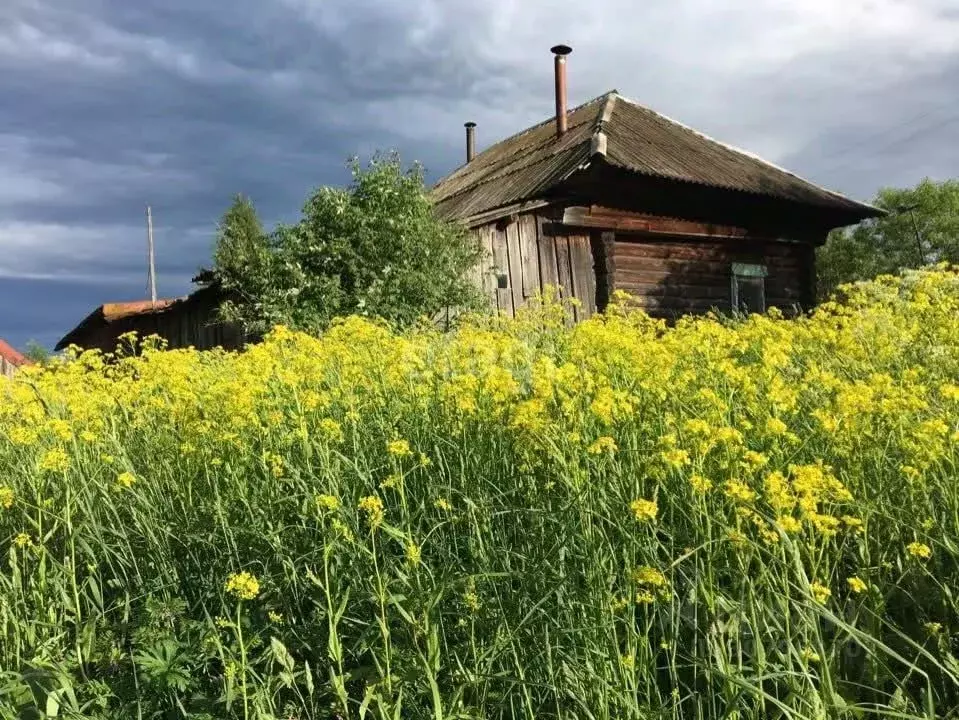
x: 22, y: 436
x: 276, y: 464
x: 55, y: 460
x: 327, y: 502
x: 676, y: 458
x: 700, y: 484
x: 649, y: 577
x: 644, y: 510
x: 6, y: 497
x: 853, y: 523
x: 399, y: 448
x: 275, y: 617
x: 825, y: 524
x: 919, y: 550
x: 910, y: 473
x: 739, y: 491
x: 856, y: 585
x: 619, y: 604
x: 754, y: 459
x: 373, y: 507
x: 628, y: 662
x: 471, y: 600
x: 243, y: 585
x: 789, y: 524
x: 601, y: 445
x: 413, y: 553
x: 645, y: 597
x: 22, y: 540
x: 443, y: 504
x: 392, y: 481
x: 933, y: 628
x: 769, y: 535
x: 125, y: 480
x: 775, y: 426
x: 820, y: 593
x: 331, y: 430
x: 809, y: 656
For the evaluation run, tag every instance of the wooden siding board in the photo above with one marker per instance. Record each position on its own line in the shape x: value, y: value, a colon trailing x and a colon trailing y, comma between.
x: 504, y: 297
x: 486, y: 239
x: 563, y: 269
x: 546, y: 245
x: 515, y: 265
x: 583, y: 275
x: 529, y: 255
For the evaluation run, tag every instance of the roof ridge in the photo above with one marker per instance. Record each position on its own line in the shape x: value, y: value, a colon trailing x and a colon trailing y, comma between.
x: 598, y: 142
x: 741, y: 151
x: 520, y: 134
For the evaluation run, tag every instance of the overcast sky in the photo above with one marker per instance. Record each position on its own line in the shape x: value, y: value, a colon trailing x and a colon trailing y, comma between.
x: 107, y: 105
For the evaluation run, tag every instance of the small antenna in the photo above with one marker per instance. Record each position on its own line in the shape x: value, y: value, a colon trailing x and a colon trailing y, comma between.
x: 152, y: 278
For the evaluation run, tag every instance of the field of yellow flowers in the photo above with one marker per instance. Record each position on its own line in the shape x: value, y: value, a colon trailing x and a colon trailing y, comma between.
x: 750, y: 519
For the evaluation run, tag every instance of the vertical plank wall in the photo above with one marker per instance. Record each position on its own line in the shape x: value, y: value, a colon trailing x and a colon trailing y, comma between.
x: 532, y: 256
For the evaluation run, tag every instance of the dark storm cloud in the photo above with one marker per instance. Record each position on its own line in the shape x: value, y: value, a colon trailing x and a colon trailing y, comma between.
x: 110, y: 105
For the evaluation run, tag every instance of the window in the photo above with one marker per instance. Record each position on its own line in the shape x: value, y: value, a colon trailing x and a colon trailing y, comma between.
x: 748, y: 288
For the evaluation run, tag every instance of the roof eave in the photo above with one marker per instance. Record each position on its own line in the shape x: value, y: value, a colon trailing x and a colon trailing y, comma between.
x: 95, y: 317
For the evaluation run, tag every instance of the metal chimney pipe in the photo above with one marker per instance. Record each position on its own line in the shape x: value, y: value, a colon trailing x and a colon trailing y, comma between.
x: 470, y: 141
x: 560, y: 52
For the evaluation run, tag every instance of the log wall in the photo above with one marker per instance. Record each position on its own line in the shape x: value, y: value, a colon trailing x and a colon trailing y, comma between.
x: 669, y: 278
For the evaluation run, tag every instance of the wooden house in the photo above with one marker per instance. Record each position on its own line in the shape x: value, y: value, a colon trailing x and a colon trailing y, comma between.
x: 189, y: 321
x: 614, y: 196
x: 10, y: 359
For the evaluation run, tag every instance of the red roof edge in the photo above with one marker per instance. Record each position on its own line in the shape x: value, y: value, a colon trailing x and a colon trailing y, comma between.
x: 11, y: 355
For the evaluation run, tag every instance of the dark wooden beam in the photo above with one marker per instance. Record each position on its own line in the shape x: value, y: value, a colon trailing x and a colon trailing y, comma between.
x: 595, y: 216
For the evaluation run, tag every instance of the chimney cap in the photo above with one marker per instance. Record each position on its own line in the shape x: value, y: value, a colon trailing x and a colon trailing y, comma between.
x: 561, y: 49
x: 469, y: 124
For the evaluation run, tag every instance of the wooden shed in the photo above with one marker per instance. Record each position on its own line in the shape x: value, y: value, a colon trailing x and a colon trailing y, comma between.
x: 189, y: 321
x: 10, y: 359
x: 614, y: 196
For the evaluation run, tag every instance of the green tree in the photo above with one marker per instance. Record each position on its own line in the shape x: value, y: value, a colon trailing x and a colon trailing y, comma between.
x: 921, y: 228
x: 36, y: 353
x: 241, y: 257
x: 373, y: 248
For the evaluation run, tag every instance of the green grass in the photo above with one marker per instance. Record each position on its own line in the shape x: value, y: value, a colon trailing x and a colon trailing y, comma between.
x: 501, y: 580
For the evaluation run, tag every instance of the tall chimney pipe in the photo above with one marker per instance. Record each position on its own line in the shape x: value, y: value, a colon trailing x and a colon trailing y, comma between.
x: 470, y: 141
x: 559, y: 63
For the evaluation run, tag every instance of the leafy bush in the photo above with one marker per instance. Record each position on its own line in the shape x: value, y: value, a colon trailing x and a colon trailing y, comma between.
x: 374, y: 248
x: 518, y: 519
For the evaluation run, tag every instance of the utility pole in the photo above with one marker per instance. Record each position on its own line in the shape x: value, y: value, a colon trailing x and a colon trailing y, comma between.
x: 152, y: 279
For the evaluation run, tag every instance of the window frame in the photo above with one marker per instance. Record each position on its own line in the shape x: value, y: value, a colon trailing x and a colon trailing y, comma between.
x: 750, y: 272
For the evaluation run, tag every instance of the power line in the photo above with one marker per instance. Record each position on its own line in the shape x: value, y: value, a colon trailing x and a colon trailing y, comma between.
x: 866, y: 140
x: 882, y: 149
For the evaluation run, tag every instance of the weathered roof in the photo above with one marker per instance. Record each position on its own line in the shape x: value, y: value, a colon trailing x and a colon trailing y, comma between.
x: 626, y: 135
x: 12, y: 356
x: 110, y: 313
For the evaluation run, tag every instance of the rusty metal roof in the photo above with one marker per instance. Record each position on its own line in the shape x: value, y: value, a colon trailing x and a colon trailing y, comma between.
x: 12, y: 356
x: 110, y: 313
x: 627, y: 135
